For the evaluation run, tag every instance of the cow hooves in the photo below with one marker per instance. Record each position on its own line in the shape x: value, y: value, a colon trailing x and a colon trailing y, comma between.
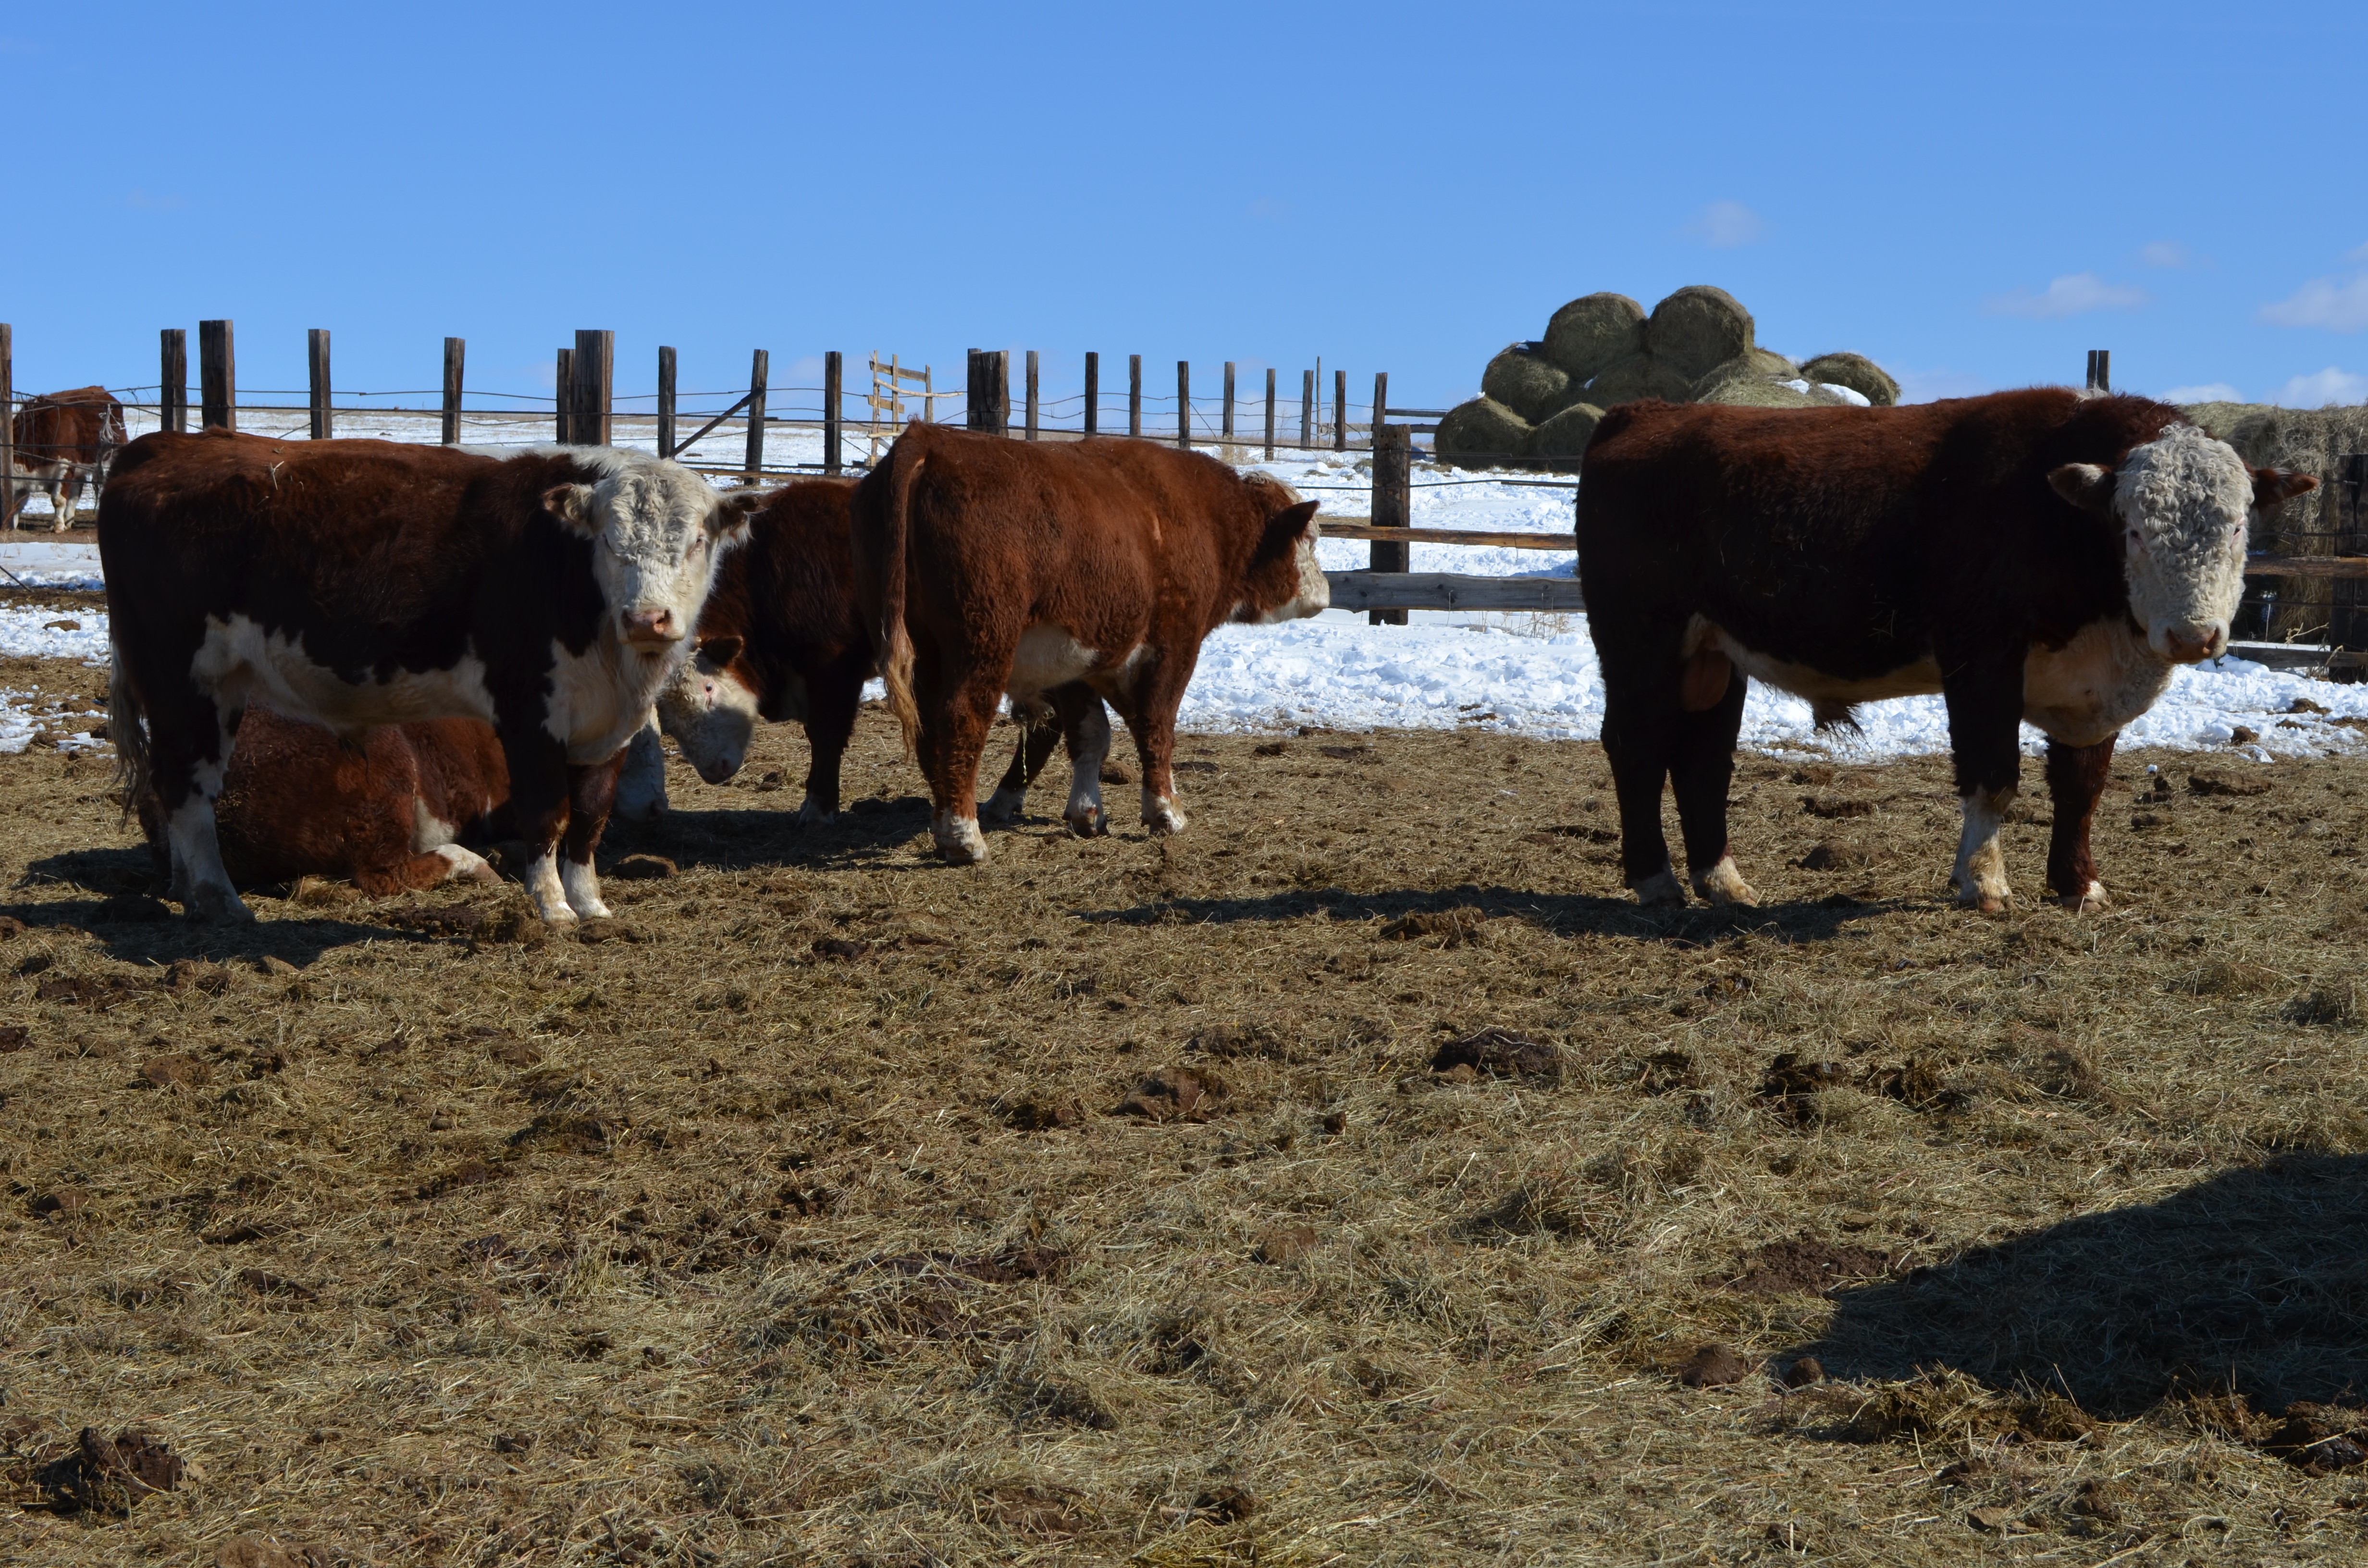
x: 1090, y: 824
x: 959, y: 840
x: 1986, y: 902
x: 998, y: 809
x: 1661, y: 890
x: 2091, y: 902
x: 223, y: 908
x: 1723, y: 884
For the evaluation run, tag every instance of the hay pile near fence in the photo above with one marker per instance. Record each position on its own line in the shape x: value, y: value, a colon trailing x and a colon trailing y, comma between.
x: 1539, y: 401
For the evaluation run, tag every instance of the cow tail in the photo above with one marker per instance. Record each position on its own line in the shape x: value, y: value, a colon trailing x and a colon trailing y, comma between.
x: 895, y: 638
x: 127, y: 727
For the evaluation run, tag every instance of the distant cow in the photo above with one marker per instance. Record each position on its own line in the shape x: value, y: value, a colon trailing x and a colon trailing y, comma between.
x: 62, y: 439
x: 991, y: 565
x: 2032, y: 556
x: 388, y: 808
x: 779, y: 639
x: 357, y: 583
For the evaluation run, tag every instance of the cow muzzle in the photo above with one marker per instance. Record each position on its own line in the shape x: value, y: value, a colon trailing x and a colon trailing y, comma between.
x: 2190, y: 644
x: 650, y: 628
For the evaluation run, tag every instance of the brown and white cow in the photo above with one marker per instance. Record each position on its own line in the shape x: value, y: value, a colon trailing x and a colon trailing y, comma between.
x: 61, y: 440
x: 779, y: 639
x: 389, y: 808
x: 992, y: 566
x: 549, y: 594
x: 2035, y: 556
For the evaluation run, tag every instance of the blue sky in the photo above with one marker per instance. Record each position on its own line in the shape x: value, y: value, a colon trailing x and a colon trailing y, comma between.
x: 1973, y: 196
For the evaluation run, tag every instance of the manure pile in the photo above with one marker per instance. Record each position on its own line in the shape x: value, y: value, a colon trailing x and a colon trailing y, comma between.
x: 1541, y: 401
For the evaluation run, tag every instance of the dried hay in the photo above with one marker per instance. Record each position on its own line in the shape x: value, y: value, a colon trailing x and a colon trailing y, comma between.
x: 1525, y: 381
x: 1482, y: 430
x: 1637, y: 376
x: 1856, y: 371
x: 1561, y: 441
x: 1594, y: 331
x: 867, y: 1258
x: 1698, y: 328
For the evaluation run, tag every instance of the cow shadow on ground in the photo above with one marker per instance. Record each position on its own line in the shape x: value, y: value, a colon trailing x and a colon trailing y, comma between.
x: 1566, y: 913
x: 2250, y: 1280
x: 117, y: 906
x: 742, y: 840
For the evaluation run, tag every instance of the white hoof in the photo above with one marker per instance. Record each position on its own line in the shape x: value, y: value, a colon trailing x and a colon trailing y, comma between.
x: 811, y: 814
x: 2091, y: 901
x: 1160, y: 814
x: 1723, y: 884
x: 466, y: 864
x: 958, y: 839
x: 1002, y: 806
x: 1661, y: 890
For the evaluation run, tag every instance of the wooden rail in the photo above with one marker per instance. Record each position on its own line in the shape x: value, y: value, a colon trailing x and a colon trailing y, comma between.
x: 2308, y: 566
x: 1445, y: 590
x: 1360, y: 527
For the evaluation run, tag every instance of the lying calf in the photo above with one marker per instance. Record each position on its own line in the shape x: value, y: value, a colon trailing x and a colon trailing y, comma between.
x: 387, y: 809
x: 779, y: 639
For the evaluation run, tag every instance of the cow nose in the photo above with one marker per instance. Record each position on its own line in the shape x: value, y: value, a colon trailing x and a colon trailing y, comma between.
x: 2193, y: 644
x: 649, y: 626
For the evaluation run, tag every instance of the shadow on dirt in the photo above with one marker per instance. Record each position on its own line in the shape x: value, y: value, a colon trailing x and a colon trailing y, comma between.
x: 1566, y: 914
x: 2253, y: 1281
x: 122, y: 912
x: 739, y: 840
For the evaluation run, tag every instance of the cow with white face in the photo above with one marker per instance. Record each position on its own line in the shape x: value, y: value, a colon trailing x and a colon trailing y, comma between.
x: 2035, y: 557
x: 550, y: 592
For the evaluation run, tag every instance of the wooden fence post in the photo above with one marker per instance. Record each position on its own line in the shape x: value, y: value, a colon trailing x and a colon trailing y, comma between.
x: 173, y: 395
x: 596, y: 366
x: 1031, y: 394
x: 316, y: 360
x: 1339, y: 410
x: 666, y: 402
x: 1184, y: 403
x: 1270, y: 414
x: 1229, y: 402
x: 7, y: 425
x: 1306, y: 409
x: 832, y: 385
x: 1093, y: 391
x: 990, y: 391
x: 455, y: 352
x: 759, y: 365
x: 1134, y: 394
x: 217, y: 378
x: 1392, y: 506
x: 564, y: 373
x: 2100, y: 370
x: 1381, y: 402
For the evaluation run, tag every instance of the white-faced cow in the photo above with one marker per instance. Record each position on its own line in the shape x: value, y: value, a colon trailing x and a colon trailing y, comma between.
x: 992, y: 566
x: 781, y: 640
x: 61, y: 440
x: 2032, y: 556
x: 389, y: 809
x: 359, y: 583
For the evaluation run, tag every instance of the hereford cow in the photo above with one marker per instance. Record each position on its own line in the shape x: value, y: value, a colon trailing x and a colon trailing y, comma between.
x: 779, y: 639
x: 2032, y: 556
x: 61, y: 440
x: 387, y: 809
x: 359, y: 583
x: 990, y: 565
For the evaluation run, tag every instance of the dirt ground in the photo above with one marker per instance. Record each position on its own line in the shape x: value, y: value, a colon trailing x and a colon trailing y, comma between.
x: 1173, y: 1201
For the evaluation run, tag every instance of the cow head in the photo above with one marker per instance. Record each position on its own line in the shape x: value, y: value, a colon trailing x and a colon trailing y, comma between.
x: 2181, y: 504
x: 711, y: 712
x: 657, y: 529
x: 1285, y: 581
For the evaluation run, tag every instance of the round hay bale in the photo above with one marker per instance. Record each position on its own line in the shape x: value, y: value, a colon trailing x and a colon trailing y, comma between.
x: 1482, y: 431
x: 1586, y: 334
x: 1753, y: 365
x: 1526, y: 381
x: 1697, y: 328
x: 1859, y: 373
x: 1639, y: 375
x: 1762, y: 392
x: 1559, y: 442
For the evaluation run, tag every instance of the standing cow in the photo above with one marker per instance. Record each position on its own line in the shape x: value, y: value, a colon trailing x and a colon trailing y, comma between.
x: 62, y: 439
x: 992, y: 566
x: 358, y: 582
x: 2032, y: 556
x: 779, y: 639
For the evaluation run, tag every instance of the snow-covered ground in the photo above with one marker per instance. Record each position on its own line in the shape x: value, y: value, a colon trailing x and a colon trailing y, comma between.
x: 1529, y: 674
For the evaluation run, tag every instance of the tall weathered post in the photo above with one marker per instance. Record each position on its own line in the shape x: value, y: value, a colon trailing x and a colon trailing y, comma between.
x: 596, y: 366
x: 217, y: 377
x: 753, y: 457
x: 831, y: 386
x: 173, y: 391
x: 1392, y: 507
x: 455, y: 354
x: 317, y: 360
x: 666, y: 402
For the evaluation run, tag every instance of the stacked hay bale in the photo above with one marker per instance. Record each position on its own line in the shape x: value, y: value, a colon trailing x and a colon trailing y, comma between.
x: 2305, y: 440
x: 1538, y: 402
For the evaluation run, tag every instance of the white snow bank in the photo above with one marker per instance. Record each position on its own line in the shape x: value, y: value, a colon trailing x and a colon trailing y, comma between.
x: 39, y: 565
x: 35, y: 631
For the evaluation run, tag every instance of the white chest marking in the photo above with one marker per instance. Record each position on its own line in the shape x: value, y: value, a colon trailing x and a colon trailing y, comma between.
x: 600, y: 698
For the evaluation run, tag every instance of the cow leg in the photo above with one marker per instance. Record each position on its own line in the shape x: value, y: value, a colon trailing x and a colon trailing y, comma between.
x: 186, y: 770
x: 1701, y: 766
x: 1038, y: 735
x: 591, y: 791
x: 1084, y: 725
x: 540, y: 789
x: 2075, y: 778
x: 1642, y: 670
x: 832, y: 699
x: 956, y: 716
x: 1149, y: 710
x: 1985, y: 702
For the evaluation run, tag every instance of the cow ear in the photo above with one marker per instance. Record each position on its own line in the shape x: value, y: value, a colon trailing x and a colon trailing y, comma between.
x: 2085, y: 485
x: 1291, y: 521
x: 2274, y: 486
x: 719, y: 651
x: 572, y: 505
x: 730, y: 523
